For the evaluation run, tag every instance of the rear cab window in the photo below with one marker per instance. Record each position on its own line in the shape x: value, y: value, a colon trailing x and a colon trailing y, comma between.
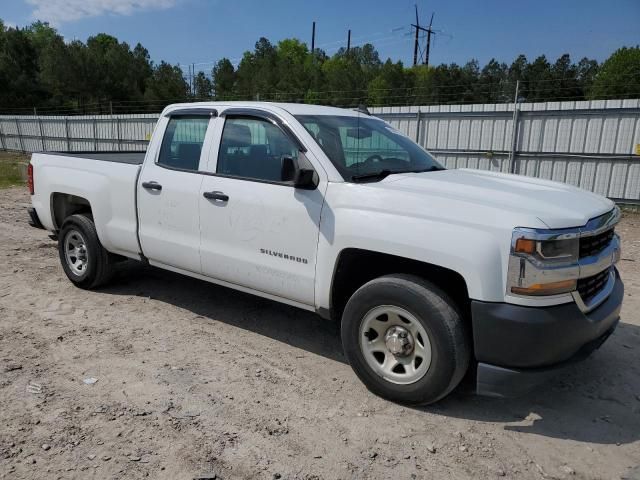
x: 182, y: 142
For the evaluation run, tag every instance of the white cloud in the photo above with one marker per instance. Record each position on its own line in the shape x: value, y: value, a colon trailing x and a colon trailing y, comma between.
x: 61, y: 11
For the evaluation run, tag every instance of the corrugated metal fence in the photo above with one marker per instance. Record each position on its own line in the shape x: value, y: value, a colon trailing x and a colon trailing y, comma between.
x: 34, y: 133
x: 591, y: 144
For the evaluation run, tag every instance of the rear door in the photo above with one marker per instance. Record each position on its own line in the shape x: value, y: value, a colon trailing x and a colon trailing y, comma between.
x: 257, y: 230
x: 169, y: 191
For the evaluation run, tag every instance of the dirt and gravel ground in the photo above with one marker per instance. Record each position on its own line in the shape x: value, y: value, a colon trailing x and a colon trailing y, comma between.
x: 195, y: 380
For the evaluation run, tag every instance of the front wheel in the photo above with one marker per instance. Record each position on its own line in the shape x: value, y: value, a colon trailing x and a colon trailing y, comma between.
x: 405, y: 339
x: 84, y: 260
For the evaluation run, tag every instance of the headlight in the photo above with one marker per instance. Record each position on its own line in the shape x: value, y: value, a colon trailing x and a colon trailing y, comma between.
x: 548, y: 251
x: 542, y: 265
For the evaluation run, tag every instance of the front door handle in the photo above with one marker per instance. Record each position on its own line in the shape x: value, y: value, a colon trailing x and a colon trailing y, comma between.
x: 152, y: 186
x: 216, y: 196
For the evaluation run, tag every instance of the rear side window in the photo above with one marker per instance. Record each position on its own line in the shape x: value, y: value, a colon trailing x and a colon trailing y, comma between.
x: 254, y: 148
x: 182, y: 142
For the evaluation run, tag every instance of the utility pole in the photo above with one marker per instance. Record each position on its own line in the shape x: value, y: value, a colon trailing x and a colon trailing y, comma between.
x: 348, y: 41
x: 514, y: 130
x: 313, y: 38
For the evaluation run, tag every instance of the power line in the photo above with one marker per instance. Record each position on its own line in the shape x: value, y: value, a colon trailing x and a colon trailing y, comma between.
x: 406, y: 92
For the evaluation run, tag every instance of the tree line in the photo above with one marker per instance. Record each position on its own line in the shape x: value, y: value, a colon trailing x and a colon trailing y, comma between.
x: 39, y: 69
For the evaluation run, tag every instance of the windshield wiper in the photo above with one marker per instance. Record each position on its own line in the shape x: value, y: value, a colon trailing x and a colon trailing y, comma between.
x: 386, y: 172
x: 433, y: 168
x: 373, y: 176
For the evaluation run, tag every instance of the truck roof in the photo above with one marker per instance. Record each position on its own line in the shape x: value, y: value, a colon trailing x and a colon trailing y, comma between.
x: 292, y: 108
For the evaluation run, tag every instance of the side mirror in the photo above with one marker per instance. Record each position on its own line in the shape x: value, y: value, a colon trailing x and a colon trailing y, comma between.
x: 288, y: 172
x: 304, y: 179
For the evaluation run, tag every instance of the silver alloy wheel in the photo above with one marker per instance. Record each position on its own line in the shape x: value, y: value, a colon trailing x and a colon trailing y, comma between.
x: 75, y: 252
x: 395, y: 345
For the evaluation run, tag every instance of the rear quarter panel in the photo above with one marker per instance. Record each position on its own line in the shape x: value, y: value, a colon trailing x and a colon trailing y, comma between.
x: 109, y: 187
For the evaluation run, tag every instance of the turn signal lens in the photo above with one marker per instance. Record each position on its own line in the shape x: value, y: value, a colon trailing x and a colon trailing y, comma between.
x: 524, y: 245
x: 546, y: 288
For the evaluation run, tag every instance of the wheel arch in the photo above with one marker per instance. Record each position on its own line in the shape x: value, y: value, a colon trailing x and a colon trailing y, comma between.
x: 354, y: 267
x: 63, y: 205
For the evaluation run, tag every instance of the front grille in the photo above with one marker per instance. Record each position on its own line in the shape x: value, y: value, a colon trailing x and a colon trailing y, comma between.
x: 594, y: 244
x: 589, y: 287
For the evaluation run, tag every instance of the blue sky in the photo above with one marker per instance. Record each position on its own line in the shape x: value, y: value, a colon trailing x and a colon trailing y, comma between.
x: 203, y: 31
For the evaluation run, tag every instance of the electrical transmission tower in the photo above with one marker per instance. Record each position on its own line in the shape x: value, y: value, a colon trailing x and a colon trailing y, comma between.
x: 416, y: 45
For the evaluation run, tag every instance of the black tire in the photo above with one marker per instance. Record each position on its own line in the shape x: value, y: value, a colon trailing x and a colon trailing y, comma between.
x: 438, y: 315
x: 99, y: 262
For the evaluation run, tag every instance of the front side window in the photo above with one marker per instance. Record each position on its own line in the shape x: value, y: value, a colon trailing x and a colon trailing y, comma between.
x: 182, y: 142
x: 254, y: 148
x: 366, y: 148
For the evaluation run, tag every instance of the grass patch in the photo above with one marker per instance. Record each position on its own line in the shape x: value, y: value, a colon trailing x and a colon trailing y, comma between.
x: 11, y: 169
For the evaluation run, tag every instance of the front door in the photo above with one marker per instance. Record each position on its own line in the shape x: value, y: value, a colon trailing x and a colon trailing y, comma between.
x: 169, y: 193
x: 257, y: 230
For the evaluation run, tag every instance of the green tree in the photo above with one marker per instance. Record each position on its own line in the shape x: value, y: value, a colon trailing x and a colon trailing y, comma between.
x: 19, y: 70
x: 112, y: 74
x: 344, y: 81
x: 492, y: 83
x: 292, y: 71
x: 390, y: 86
x: 564, y: 81
x: 347, y: 74
x: 202, y: 86
x: 256, y: 72
x: 537, y: 80
x: 224, y: 79
x: 54, y: 63
x: 516, y: 72
x: 38, y: 68
x: 454, y: 84
x: 142, y: 68
x: 166, y: 84
x: 79, y: 87
x: 424, y: 84
x: 619, y: 75
x: 587, y: 70
x: 317, y: 83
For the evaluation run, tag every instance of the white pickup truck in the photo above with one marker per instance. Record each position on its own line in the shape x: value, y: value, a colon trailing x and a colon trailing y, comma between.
x: 434, y: 274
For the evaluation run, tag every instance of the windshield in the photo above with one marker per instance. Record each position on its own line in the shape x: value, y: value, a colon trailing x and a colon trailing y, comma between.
x: 366, y: 148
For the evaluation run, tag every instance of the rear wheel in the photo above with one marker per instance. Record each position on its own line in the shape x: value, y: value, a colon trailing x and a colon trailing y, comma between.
x: 405, y: 339
x: 84, y: 260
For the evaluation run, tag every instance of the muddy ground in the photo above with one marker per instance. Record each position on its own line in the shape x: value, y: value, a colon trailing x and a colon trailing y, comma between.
x: 195, y: 380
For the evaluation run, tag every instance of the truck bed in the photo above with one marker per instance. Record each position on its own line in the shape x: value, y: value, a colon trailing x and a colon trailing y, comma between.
x: 104, y: 180
x: 131, y: 158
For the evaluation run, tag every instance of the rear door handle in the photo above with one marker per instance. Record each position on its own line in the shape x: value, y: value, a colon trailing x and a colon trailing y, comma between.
x: 152, y: 186
x: 216, y: 196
